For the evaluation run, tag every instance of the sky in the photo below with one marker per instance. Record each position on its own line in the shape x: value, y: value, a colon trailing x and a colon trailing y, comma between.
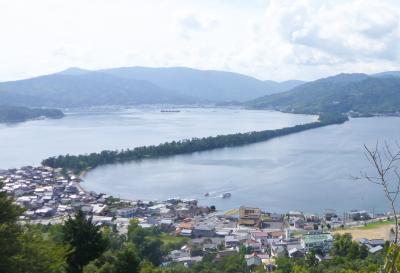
x: 267, y: 39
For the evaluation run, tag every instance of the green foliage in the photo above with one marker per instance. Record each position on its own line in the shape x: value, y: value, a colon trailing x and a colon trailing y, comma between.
x: 311, y: 260
x: 148, y: 242
x: 124, y: 260
x: 341, y: 244
x: 230, y: 264
x: 39, y: 253
x: 392, y: 261
x: 85, y: 239
x: 19, y: 114
x: 80, y: 163
x: 338, y: 94
x: 9, y: 233
x: 26, y: 248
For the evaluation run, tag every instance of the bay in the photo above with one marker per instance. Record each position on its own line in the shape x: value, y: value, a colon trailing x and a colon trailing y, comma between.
x: 309, y: 171
x: 97, y: 129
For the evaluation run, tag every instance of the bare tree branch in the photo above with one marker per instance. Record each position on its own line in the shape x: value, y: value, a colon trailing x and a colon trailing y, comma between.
x: 384, y: 161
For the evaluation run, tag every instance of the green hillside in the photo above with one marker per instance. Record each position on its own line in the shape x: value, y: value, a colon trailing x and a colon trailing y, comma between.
x: 342, y: 93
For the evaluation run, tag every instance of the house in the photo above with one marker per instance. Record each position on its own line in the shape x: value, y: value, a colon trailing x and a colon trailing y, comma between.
x: 319, y: 241
x: 45, y: 211
x: 203, y: 231
x: 295, y: 214
x: 278, y: 251
x: 296, y: 253
x: 186, y: 232
x: 126, y: 212
x: 181, y: 253
x: 330, y: 214
x: 358, y: 215
x: 272, y: 225
x: 376, y: 242
x: 254, y: 245
x: 260, y: 236
x: 231, y: 242
x: 375, y: 249
x: 373, y: 245
x: 225, y: 253
x: 311, y: 218
x: 276, y: 217
x: 189, y: 261
x: 298, y: 223
x: 252, y: 260
x: 249, y: 216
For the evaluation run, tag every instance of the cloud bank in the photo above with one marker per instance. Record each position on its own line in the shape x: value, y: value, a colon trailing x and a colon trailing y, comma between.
x: 276, y: 39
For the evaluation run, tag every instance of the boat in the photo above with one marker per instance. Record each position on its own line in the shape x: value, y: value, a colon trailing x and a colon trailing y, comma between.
x: 207, y: 194
x: 226, y: 195
x: 169, y: 111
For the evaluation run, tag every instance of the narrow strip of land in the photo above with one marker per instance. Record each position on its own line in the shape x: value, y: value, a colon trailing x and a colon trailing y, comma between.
x: 82, y: 163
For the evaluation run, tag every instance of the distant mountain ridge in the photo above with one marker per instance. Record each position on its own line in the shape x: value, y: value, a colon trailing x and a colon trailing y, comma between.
x: 211, y: 85
x: 76, y: 87
x: 87, y: 89
x: 361, y: 93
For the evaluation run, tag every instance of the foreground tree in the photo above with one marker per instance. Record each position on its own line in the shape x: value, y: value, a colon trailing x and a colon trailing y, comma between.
x: 9, y: 232
x: 39, y: 253
x: 85, y: 240
x: 385, y: 164
x: 25, y: 248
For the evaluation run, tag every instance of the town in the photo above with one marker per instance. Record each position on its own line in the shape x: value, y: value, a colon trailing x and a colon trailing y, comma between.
x: 51, y: 195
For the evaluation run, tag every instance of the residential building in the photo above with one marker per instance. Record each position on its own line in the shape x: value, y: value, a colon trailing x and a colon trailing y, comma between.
x: 319, y: 241
x: 249, y: 216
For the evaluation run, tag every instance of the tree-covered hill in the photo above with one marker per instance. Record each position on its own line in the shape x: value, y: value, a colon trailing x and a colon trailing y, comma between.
x: 341, y: 93
x: 85, y: 89
x: 19, y: 114
x: 77, y: 87
x: 210, y: 85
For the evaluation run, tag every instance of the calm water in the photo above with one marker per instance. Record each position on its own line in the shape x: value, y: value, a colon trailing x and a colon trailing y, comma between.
x: 309, y: 171
x: 95, y: 130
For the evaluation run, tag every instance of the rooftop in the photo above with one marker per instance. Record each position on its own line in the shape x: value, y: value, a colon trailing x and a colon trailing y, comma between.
x: 313, y: 238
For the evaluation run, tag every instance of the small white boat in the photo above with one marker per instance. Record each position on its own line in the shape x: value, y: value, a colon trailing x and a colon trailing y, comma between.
x: 226, y: 195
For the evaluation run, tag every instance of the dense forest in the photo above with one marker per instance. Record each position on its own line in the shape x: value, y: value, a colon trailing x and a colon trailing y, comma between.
x: 80, y: 163
x: 19, y: 113
x: 360, y: 93
x: 80, y: 246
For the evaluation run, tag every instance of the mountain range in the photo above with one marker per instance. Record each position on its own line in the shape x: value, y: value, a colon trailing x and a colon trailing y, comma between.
x: 359, y: 93
x: 77, y: 87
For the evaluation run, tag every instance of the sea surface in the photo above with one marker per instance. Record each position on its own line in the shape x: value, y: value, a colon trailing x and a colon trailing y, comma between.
x: 309, y: 171
x: 97, y: 129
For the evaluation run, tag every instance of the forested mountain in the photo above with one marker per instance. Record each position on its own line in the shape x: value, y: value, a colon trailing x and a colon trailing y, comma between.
x: 19, y: 114
x: 341, y: 93
x: 77, y: 87
x: 85, y: 89
x: 387, y: 74
x: 211, y: 85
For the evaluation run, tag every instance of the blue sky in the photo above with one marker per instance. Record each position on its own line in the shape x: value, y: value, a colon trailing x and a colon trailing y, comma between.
x: 276, y: 39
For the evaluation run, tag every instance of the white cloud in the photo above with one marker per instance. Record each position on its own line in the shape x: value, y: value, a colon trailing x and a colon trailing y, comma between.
x: 335, y: 32
x: 192, y: 23
x: 276, y: 39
